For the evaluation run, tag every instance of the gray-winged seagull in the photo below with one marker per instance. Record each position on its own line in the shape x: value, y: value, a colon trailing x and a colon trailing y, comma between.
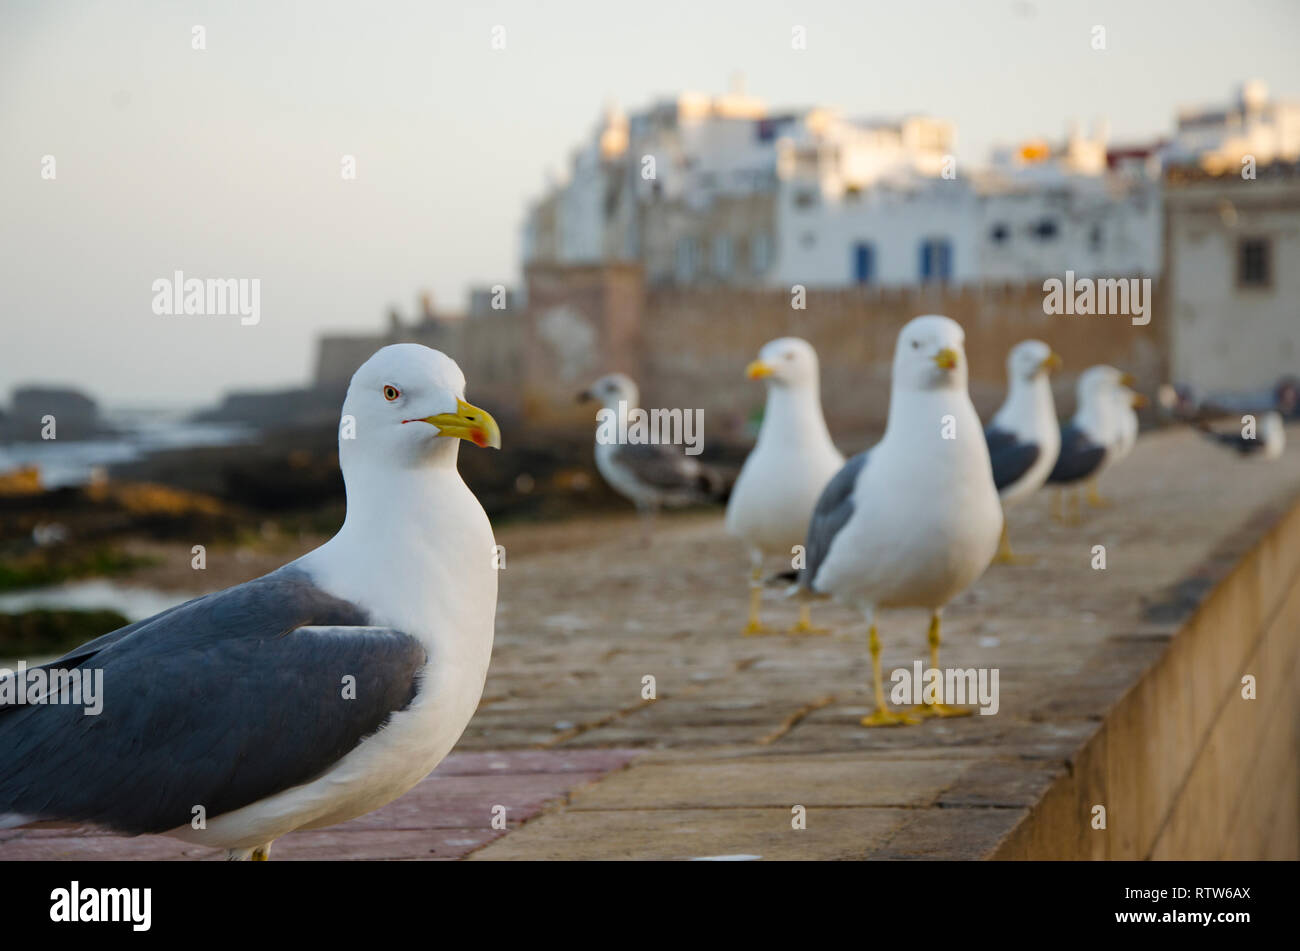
x: 311, y: 695
x: 791, y: 463
x: 1268, y: 442
x: 914, y: 520
x: 650, y: 475
x: 1024, y: 436
x: 1088, y: 437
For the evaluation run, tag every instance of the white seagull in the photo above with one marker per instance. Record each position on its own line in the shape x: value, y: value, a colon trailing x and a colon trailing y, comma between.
x: 1024, y: 436
x: 1127, y: 403
x: 308, y: 696
x: 1267, y: 442
x: 791, y: 463
x: 914, y: 520
x: 1090, y: 435
x: 649, y: 475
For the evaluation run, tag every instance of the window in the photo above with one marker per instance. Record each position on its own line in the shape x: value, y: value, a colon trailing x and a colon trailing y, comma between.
x: 1045, y: 230
x: 936, y: 259
x: 1255, y: 262
x: 760, y: 253
x: 722, y: 256
x: 864, y: 262
x: 685, y: 264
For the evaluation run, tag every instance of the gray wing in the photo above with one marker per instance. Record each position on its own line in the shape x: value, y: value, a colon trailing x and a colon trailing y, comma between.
x: 218, y: 702
x: 1010, y: 457
x: 833, y: 509
x: 1079, y: 457
x: 1233, y: 440
x: 665, y: 467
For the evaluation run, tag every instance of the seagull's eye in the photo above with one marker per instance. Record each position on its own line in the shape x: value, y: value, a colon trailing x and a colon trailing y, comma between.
x: 391, y: 393
x: 789, y: 355
x: 916, y: 345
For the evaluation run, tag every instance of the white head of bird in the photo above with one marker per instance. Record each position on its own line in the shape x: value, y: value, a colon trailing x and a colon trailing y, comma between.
x: 406, y: 409
x: 1097, y: 411
x: 1272, y: 431
x: 1030, y: 361
x: 930, y: 355
x: 785, y: 362
x: 612, y: 389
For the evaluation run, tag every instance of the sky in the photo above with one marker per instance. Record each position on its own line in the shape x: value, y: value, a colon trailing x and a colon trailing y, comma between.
x: 226, y: 161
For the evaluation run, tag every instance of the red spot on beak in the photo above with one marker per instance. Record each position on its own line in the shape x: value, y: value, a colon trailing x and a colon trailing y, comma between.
x: 479, y: 437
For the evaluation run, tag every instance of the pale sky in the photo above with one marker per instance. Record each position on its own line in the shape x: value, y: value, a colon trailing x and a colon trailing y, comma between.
x: 226, y: 162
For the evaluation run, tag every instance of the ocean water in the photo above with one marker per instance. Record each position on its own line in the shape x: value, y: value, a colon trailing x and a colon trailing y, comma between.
x: 65, y: 462
x: 133, y: 603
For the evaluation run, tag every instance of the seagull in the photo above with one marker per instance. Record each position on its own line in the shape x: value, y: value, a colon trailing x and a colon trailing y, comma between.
x: 1268, y: 442
x: 916, y: 519
x: 1125, y: 403
x: 1024, y: 437
x: 311, y: 695
x: 1090, y: 433
x: 792, y: 461
x: 651, y: 475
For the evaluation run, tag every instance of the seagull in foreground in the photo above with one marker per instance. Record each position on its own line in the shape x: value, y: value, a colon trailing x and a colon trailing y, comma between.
x: 916, y: 519
x: 650, y: 475
x: 791, y: 463
x: 311, y: 695
x: 1024, y: 436
x: 1268, y: 442
x: 1088, y: 436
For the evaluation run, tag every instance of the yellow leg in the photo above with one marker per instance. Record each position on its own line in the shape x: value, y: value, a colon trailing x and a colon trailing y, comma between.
x: 1005, y: 555
x: 805, y: 625
x: 1094, y: 497
x: 261, y: 854
x: 882, y: 716
x: 1075, y: 515
x: 755, y: 625
x: 937, y: 709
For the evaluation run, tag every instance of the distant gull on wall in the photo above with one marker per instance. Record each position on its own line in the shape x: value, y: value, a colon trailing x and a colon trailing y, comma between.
x: 1024, y: 436
x: 1090, y: 434
x: 651, y: 475
x: 791, y: 463
x: 1267, y: 442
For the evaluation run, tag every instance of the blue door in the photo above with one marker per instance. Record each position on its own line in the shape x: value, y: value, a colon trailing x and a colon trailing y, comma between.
x: 864, y: 262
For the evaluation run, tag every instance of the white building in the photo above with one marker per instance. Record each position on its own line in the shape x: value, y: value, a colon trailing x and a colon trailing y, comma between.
x: 1218, y: 138
x: 690, y: 186
x: 720, y: 190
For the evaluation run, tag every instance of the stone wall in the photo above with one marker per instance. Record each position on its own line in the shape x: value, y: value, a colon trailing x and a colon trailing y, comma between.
x: 1187, y: 767
x: 688, y: 347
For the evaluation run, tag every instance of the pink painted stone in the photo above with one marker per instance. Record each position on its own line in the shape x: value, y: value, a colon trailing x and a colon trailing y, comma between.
x: 447, y: 816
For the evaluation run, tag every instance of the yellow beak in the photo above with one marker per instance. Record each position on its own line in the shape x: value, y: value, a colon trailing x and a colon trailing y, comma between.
x: 1139, y: 401
x: 1053, y: 362
x: 1128, y: 379
x: 946, y: 359
x: 468, y: 422
x: 758, y: 370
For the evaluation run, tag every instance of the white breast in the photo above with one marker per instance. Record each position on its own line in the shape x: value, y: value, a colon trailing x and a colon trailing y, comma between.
x: 429, y: 574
